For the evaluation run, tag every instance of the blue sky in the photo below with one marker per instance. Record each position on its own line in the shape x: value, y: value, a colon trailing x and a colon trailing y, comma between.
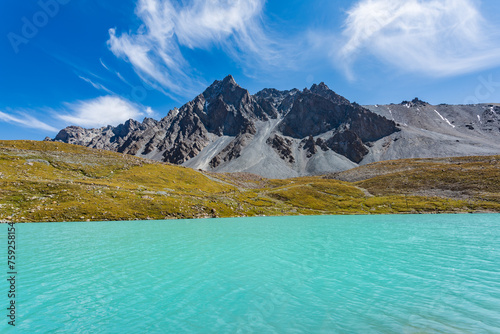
x: 93, y: 63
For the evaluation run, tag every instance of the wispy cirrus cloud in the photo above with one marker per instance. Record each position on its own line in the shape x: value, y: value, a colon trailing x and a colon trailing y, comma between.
x: 102, y: 111
x: 434, y: 37
x: 154, y: 50
x: 103, y: 64
x: 97, y: 86
x: 22, y: 118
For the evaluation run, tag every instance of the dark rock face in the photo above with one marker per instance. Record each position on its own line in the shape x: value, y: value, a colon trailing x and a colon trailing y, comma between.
x: 348, y: 144
x: 369, y: 126
x: 320, y: 110
x: 309, y: 146
x: 490, y: 119
x: 181, y: 152
x: 228, y: 112
x: 313, y: 114
x: 231, y: 151
x: 229, y: 109
x: 274, y: 102
x: 282, y: 146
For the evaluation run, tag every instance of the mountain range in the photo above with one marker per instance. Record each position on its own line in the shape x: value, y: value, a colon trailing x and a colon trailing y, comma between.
x: 282, y: 134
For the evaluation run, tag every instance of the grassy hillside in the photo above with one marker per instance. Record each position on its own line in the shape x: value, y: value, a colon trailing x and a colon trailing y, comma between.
x: 467, y: 178
x: 46, y: 181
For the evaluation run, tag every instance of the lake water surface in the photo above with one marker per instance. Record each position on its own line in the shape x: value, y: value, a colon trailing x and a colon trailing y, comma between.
x: 328, y: 274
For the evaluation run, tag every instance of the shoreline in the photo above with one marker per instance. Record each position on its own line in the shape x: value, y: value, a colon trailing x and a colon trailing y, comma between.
x: 3, y: 221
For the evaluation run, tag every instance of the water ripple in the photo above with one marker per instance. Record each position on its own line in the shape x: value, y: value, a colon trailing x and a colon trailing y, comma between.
x: 376, y: 274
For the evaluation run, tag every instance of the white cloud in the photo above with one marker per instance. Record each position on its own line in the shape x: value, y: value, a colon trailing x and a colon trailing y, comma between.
x: 103, y: 65
x: 154, y: 50
x: 26, y: 121
x: 102, y: 111
x: 217, y: 20
x: 123, y: 79
x: 96, y: 85
x: 433, y: 37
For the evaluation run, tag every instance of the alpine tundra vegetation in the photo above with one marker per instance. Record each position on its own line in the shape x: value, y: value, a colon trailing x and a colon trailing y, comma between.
x: 48, y: 181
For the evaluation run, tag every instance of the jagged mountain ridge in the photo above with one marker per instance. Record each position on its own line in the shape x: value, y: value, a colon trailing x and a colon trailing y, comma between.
x: 278, y: 134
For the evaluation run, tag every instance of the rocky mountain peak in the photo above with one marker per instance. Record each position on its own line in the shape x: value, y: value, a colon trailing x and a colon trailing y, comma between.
x: 123, y: 129
x: 274, y: 102
x: 320, y: 110
x: 269, y: 93
x: 416, y: 102
x: 218, y: 86
x: 321, y: 87
x: 324, y: 91
x: 229, y: 80
x: 226, y: 90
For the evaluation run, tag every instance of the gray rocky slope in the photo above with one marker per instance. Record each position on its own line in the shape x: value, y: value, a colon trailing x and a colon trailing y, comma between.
x: 281, y: 134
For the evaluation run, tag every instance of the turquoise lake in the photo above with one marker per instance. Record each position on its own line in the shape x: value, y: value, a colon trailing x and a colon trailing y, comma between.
x: 326, y: 274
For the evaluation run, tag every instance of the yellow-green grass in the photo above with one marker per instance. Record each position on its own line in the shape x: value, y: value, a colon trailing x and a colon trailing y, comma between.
x: 46, y: 181
x: 469, y: 178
